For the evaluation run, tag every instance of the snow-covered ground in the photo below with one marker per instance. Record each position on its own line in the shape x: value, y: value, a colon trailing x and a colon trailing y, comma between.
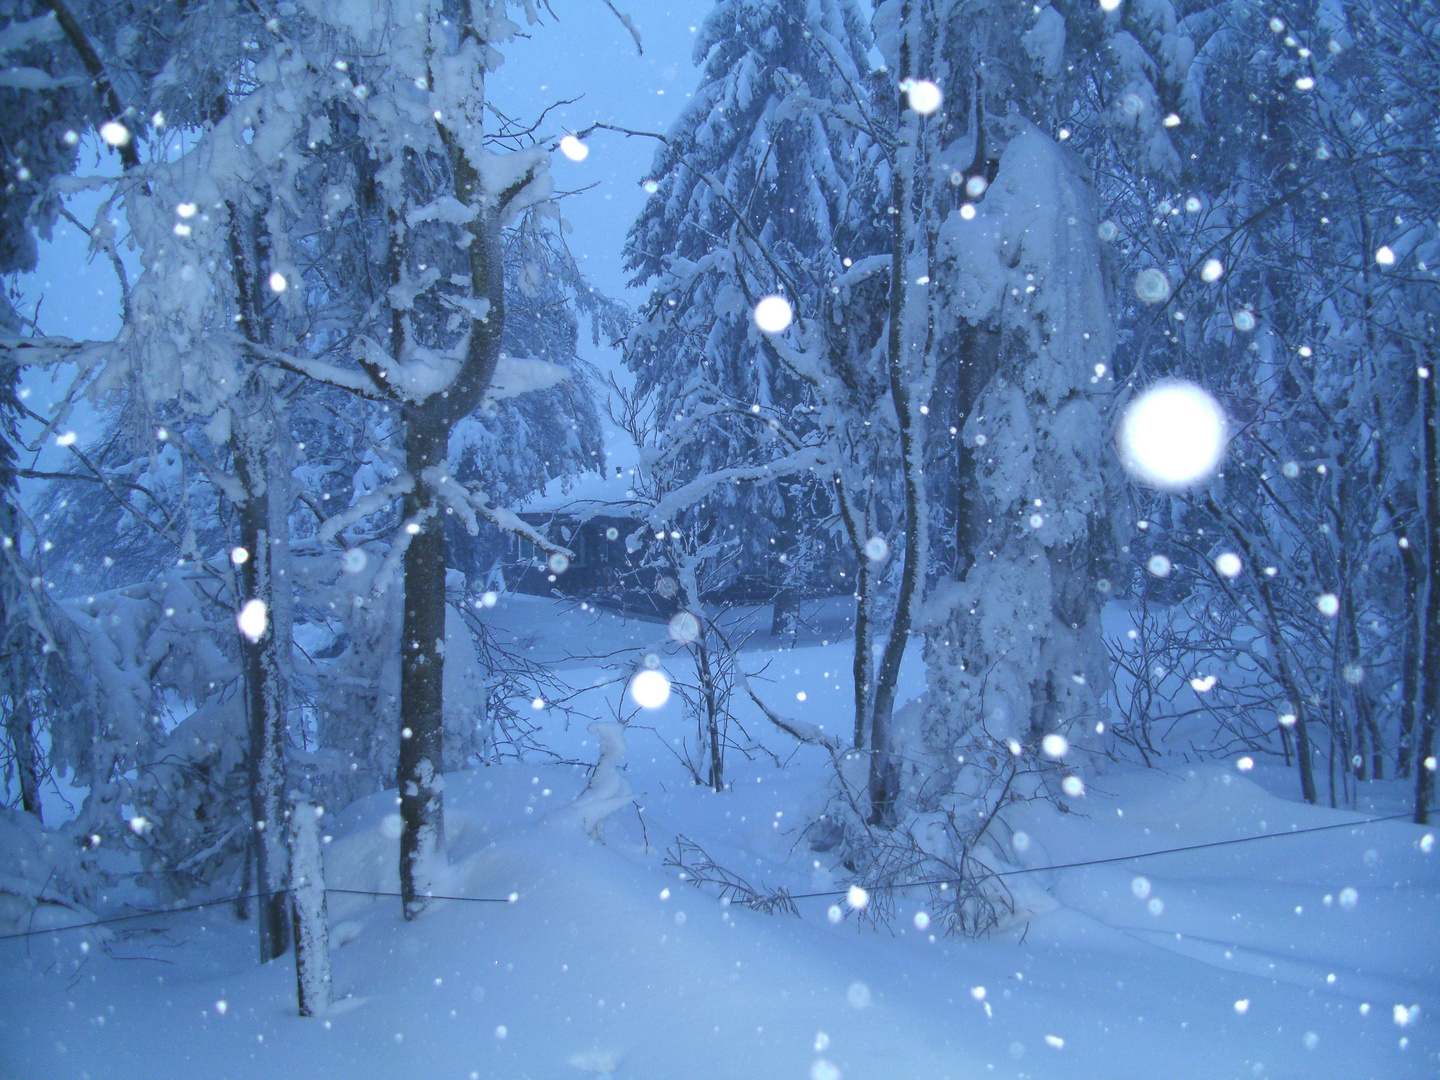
x: 1309, y: 956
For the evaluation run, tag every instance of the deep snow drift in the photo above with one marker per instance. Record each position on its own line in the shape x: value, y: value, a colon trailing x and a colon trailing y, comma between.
x: 1308, y: 956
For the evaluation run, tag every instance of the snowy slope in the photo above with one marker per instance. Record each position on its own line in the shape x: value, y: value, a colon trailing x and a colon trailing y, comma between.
x: 607, y: 963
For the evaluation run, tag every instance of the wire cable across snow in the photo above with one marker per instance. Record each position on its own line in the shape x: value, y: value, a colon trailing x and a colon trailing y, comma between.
x: 160, y: 912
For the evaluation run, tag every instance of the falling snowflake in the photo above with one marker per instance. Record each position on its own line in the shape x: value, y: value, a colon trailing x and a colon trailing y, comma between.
x: 923, y: 95
x: 684, y: 627
x: 1228, y: 564
x: 573, y: 148
x: 773, y: 314
x: 1055, y: 745
x: 115, y: 133
x: 650, y: 689
x: 1152, y: 286
x: 1172, y: 436
x: 253, y: 619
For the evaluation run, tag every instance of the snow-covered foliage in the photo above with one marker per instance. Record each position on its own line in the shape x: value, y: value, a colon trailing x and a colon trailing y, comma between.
x: 763, y: 188
x: 1014, y: 646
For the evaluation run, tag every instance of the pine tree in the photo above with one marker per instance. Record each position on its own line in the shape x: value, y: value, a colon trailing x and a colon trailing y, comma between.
x: 760, y: 189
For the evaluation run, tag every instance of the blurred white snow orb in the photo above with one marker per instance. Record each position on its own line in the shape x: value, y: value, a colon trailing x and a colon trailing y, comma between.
x: 559, y: 563
x: 924, y: 96
x: 876, y: 549
x: 1385, y: 256
x: 1073, y: 786
x: 1228, y: 564
x: 773, y: 314
x: 650, y: 689
x: 1152, y: 286
x: 573, y: 148
x: 353, y: 561
x: 684, y: 627
x: 857, y: 897
x: 1329, y: 604
x: 239, y: 556
x: 1055, y: 745
x: 114, y: 133
x: 1244, y: 320
x: 1172, y: 436
x: 1212, y: 270
x: 1109, y: 5
x: 252, y: 619
x: 278, y: 283
x: 1158, y: 565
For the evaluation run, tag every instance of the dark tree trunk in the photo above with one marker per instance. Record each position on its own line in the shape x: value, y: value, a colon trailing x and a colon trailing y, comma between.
x: 422, y: 650
x: 427, y: 438
x: 884, y: 770
x: 265, y: 719
x: 27, y: 761
x: 1425, y: 743
x: 1410, y: 675
x: 252, y: 440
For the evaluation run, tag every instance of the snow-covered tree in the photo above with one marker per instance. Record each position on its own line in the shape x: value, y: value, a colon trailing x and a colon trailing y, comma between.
x: 1251, y: 161
x: 760, y: 188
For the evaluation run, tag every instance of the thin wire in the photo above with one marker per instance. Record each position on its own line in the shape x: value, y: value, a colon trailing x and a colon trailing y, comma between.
x: 235, y: 900
x: 139, y: 915
x: 1118, y: 858
x: 425, y: 896
x: 793, y: 896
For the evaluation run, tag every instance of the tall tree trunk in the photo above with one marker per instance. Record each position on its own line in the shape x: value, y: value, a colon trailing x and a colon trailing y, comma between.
x: 427, y: 438
x: 1411, y: 682
x: 253, y: 441
x: 265, y: 709
x: 1425, y: 743
x: 21, y: 730
x: 884, y: 770
x: 422, y: 665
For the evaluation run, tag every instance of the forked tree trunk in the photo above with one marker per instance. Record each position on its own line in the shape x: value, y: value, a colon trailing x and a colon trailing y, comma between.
x: 422, y: 634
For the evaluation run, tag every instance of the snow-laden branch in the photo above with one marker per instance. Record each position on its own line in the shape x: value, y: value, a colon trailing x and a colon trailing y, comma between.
x: 797, y: 729
x: 468, y: 504
x: 318, y: 370
x: 50, y: 351
x: 629, y: 24
x: 809, y: 459
x: 515, y: 375
x: 409, y: 529
x: 366, y: 505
